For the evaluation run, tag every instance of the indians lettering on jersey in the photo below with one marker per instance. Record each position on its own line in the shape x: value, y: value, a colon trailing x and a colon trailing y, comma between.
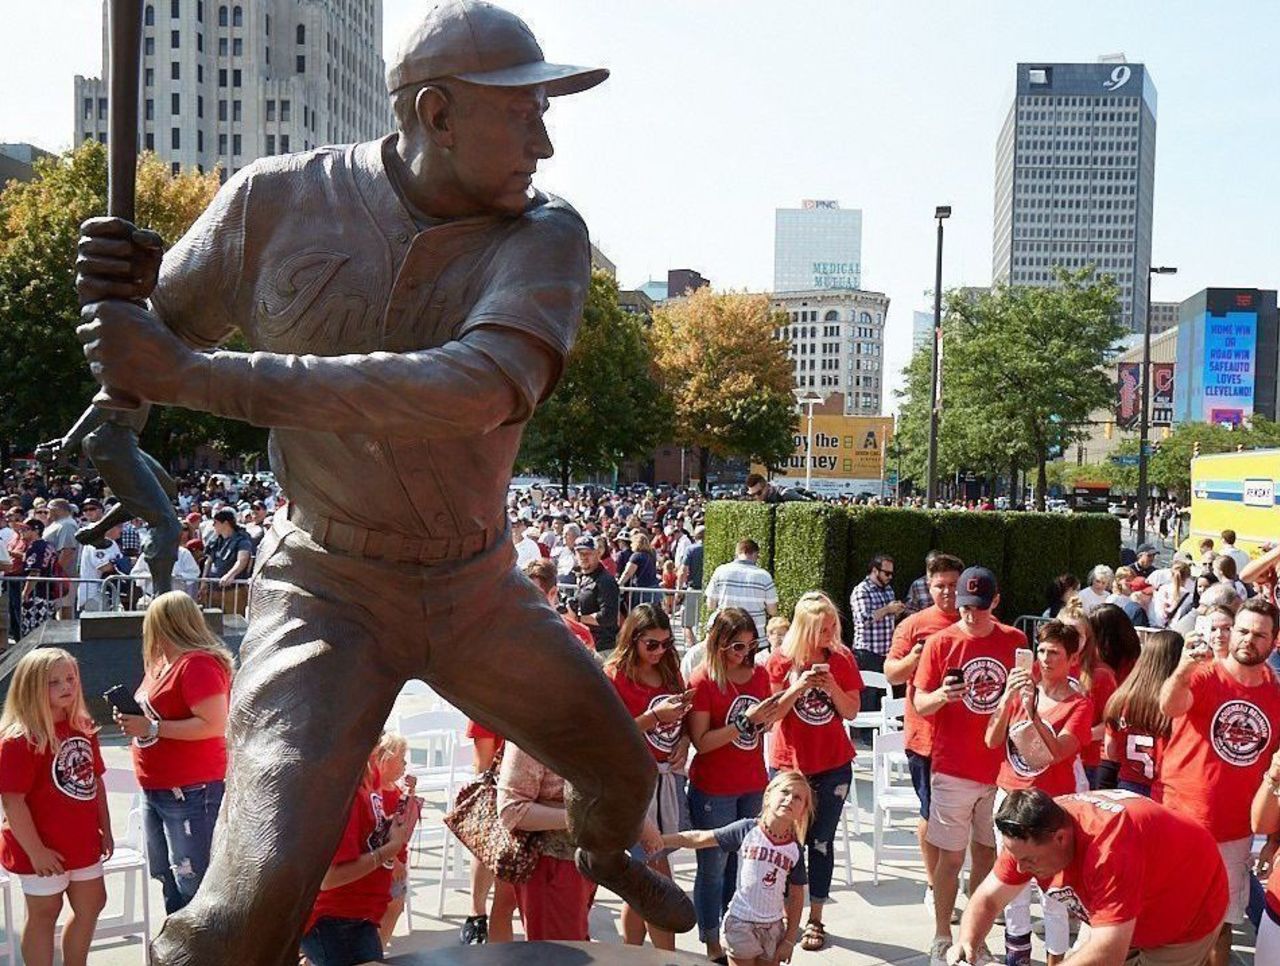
x: 381, y: 833
x: 776, y: 858
x: 741, y: 705
x: 984, y: 679
x: 1240, y: 732
x: 664, y: 737
x: 72, y: 767
x: 144, y: 702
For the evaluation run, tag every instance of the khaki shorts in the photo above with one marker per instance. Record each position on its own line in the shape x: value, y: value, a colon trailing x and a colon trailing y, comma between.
x: 1236, y: 858
x: 752, y: 940
x: 960, y: 810
x: 1181, y: 954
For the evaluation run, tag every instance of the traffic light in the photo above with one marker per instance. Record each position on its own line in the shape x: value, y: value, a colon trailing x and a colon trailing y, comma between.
x: 1195, y: 448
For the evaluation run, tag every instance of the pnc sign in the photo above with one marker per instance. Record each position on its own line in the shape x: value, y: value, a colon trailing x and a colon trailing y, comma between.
x: 811, y: 203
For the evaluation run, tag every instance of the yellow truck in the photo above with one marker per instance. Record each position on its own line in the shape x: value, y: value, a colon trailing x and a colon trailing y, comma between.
x: 1235, y: 491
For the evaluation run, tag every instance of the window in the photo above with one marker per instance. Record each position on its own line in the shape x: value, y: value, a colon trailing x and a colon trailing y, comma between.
x: 271, y: 144
x: 222, y: 46
x: 175, y: 9
x: 200, y: 141
x: 175, y: 138
x: 222, y: 16
x: 235, y: 77
x: 268, y: 55
x: 102, y: 108
x: 222, y: 77
x: 237, y: 47
x: 199, y: 11
x: 175, y: 70
x: 149, y: 110
x: 237, y: 17
x: 222, y: 110
x: 302, y: 33
x: 175, y: 103
x: 88, y: 108
x: 199, y: 73
x: 149, y: 76
x: 271, y: 109
x: 199, y: 105
x: 235, y: 110
x: 284, y: 144
x: 175, y: 168
x: 235, y: 144
x: 149, y: 46
x: 149, y: 141
x: 268, y: 25
x: 284, y: 111
x: 175, y: 39
x: 301, y: 63
x: 149, y: 16
x: 222, y: 144
x: 200, y: 43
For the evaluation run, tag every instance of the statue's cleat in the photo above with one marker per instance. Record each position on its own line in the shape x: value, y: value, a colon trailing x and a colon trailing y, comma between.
x: 91, y: 535
x: 656, y: 898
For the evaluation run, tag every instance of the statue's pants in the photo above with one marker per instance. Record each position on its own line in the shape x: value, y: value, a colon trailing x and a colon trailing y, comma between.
x: 331, y: 640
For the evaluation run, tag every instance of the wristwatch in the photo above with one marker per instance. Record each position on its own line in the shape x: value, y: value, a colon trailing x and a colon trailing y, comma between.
x: 153, y: 728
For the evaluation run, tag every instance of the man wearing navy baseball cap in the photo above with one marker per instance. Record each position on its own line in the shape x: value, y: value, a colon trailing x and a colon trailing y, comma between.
x: 959, y: 682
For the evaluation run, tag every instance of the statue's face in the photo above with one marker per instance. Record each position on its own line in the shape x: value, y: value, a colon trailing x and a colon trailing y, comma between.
x: 499, y: 139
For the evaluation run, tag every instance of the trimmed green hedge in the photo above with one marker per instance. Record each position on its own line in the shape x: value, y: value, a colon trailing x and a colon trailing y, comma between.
x: 729, y: 521
x: 1037, y: 549
x: 976, y: 538
x: 905, y: 534
x: 811, y: 543
x: 1095, y: 539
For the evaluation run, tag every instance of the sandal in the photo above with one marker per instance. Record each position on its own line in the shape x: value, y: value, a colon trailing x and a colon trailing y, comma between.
x: 814, y: 938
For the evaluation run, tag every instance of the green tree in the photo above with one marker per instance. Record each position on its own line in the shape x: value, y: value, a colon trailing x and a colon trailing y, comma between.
x: 609, y: 406
x: 47, y: 384
x: 728, y: 376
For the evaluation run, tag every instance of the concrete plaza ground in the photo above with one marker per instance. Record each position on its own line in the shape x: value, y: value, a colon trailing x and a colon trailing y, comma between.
x: 867, y: 924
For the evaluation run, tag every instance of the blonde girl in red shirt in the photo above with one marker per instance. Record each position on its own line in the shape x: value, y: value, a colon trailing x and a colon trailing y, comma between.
x: 57, y: 831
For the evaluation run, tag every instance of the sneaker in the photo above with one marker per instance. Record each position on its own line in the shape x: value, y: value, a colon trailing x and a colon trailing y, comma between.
x: 928, y: 897
x: 475, y: 931
x: 938, y: 951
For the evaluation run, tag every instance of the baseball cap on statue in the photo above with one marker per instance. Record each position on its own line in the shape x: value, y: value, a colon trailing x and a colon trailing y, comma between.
x: 479, y: 43
x: 977, y: 588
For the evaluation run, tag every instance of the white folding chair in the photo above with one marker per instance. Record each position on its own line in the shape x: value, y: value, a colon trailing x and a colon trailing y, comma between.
x: 872, y: 720
x: 893, y: 710
x: 888, y: 796
x: 10, y: 948
x: 850, y: 808
x: 130, y: 860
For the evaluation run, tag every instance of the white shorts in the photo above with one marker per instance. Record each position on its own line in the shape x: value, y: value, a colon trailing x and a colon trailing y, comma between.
x: 55, y: 885
x: 1236, y: 857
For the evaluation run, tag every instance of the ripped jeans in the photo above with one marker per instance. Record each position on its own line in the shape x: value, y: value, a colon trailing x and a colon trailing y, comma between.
x: 179, y: 824
x: 830, y: 789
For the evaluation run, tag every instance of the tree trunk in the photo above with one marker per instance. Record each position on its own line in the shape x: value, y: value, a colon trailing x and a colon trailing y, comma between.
x: 564, y: 478
x: 1042, y: 477
x: 1013, y: 483
x: 704, y: 465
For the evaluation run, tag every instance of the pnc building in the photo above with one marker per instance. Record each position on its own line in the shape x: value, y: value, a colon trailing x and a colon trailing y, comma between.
x: 817, y: 246
x: 1075, y: 166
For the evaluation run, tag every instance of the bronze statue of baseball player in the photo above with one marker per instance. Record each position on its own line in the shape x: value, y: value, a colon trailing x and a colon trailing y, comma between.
x: 409, y: 302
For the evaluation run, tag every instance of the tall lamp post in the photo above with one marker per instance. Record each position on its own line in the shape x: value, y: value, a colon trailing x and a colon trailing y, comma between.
x: 807, y: 397
x: 941, y: 213
x: 1146, y: 403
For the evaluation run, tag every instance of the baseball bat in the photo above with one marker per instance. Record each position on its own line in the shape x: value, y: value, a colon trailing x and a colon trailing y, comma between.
x: 124, y: 67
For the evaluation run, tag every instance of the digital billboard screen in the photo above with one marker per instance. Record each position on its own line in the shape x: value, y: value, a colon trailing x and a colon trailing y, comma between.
x: 1230, y: 360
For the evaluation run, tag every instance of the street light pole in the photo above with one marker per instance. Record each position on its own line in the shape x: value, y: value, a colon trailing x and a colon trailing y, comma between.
x: 942, y: 212
x: 808, y: 456
x: 1145, y: 403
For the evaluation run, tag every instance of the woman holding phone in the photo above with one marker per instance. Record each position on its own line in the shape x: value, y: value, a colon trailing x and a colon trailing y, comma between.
x: 645, y: 670
x: 1096, y: 679
x: 732, y: 707
x: 179, y: 748
x: 818, y: 685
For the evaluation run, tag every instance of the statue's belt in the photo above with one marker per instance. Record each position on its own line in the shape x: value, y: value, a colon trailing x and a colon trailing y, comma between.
x: 347, y: 538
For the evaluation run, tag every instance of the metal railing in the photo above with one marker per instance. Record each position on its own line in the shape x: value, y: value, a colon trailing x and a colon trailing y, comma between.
x: 683, y: 606
x: 1029, y: 624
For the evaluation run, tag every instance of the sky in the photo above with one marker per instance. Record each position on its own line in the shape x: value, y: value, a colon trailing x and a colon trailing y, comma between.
x: 719, y: 111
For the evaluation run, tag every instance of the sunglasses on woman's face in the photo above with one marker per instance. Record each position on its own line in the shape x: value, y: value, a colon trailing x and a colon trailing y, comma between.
x: 652, y: 644
x: 739, y: 646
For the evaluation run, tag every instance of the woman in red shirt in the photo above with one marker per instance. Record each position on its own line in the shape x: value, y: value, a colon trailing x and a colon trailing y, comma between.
x: 1042, y: 729
x: 1265, y: 816
x: 1136, y: 727
x: 819, y: 684
x: 179, y: 744
x: 732, y: 706
x: 645, y: 669
x: 1097, y: 680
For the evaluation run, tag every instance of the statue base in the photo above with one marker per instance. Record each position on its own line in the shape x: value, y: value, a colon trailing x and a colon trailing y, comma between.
x: 547, y: 954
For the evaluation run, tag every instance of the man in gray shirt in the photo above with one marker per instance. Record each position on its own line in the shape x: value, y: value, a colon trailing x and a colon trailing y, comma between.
x: 60, y: 534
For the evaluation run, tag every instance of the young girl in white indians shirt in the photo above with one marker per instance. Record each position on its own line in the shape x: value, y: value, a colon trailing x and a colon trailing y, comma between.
x: 763, y: 921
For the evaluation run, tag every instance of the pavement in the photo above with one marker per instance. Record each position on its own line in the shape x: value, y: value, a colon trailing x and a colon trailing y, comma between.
x: 867, y: 924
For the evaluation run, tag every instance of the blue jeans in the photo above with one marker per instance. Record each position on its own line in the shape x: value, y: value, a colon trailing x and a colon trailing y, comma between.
x: 717, y: 870
x: 179, y: 824
x: 342, y: 942
x: 830, y: 789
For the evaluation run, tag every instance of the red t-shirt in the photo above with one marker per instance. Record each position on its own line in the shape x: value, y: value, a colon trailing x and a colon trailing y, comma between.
x: 1140, y: 753
x: 1104, y: 685
x: 368, y: 828
x: 1135, y: 859
x: 476, y: 730
x: 168, y: 762
x: 960, y: 728
x: 811, y: 738
x: 1217, y: 752
x: 581, y: 631
x: 918, y: 627
x: 738, y: 767
x: 61, y: 790
x: 639, y: 698
x: 1072, y: 716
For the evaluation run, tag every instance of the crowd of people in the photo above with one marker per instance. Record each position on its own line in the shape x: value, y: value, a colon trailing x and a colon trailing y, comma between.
x: 1137, y: 726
